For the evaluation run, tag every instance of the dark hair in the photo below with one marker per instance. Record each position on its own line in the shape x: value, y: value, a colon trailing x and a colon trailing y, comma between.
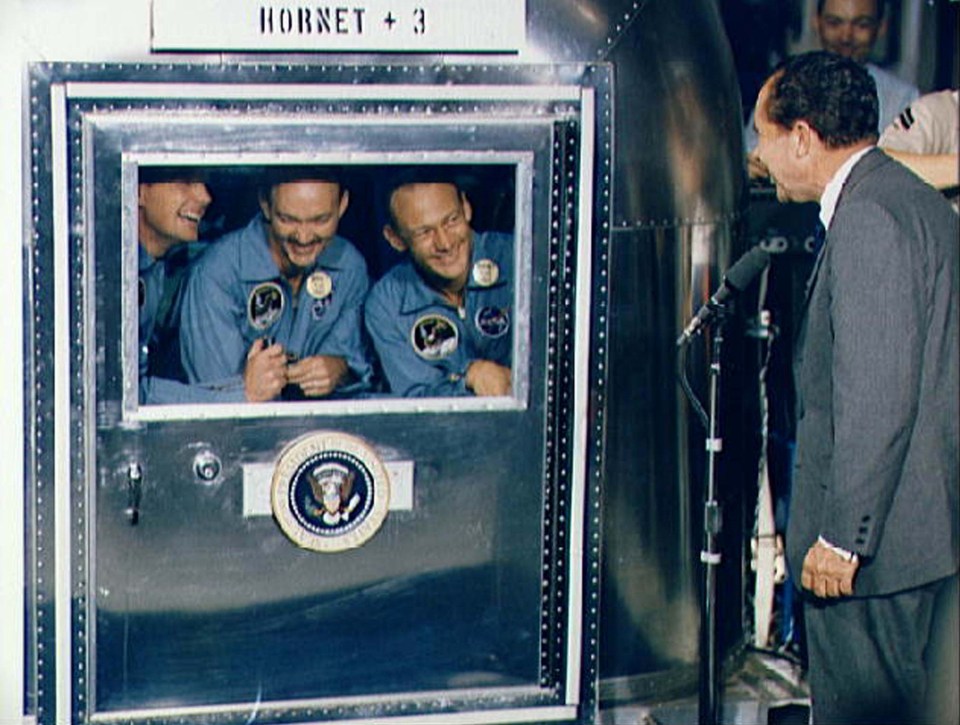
x: 835, y: 95
x: 880, y: 4
x: 171, y: 174
x: 275, y: 175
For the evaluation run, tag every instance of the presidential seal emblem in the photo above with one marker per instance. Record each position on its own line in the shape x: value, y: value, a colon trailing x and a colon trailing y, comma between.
x: 319, y: 285
x: 330, y: 492
x: 265, y: 305
x: 434, y: 337
x: 485, y: 272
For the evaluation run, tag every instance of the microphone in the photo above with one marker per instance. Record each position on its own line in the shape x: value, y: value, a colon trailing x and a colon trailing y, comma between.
x: 737, y: 278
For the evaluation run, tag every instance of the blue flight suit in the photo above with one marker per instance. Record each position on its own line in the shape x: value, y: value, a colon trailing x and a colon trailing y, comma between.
x: 236, y: 295
x: 162, y: 379
x: 425, y: 344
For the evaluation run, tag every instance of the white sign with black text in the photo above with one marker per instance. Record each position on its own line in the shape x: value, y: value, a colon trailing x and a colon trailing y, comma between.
x: 416, y: 26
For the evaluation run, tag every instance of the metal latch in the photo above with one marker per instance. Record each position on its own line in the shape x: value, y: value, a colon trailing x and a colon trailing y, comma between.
x: 134, y: 486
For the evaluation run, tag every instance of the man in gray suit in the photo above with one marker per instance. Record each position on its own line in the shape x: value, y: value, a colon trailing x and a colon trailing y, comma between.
x: 873, y: 529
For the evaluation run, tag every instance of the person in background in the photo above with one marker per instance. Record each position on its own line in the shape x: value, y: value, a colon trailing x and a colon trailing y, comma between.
x: 873, y: 524
x: 926, y: 138
x: 274, y: 309
x: 849, y: 28
x: 171, y: 205
x: 441, y: 319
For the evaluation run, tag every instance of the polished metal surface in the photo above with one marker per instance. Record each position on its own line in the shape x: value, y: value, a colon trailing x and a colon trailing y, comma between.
x: 475, y: 596
x: 678, y: 172
x: 678, y: 155
x: 182, y: 608
x: 677, y: 194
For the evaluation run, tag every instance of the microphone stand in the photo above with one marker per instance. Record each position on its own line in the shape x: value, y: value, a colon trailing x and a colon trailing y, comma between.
x: 712, y: 520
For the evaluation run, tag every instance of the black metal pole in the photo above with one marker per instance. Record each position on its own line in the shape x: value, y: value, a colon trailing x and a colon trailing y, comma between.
x: 712, y: 520
x: 710, y: 555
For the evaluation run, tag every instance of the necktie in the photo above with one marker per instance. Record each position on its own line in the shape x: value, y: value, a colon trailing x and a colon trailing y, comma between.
x: 819, y: 238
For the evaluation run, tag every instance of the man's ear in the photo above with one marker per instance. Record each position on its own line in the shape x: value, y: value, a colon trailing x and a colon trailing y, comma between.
x: 265, y: 208
x: 394, y: 239
x: 802, y: 137
x: 467, y: 209
x: 344, y: 202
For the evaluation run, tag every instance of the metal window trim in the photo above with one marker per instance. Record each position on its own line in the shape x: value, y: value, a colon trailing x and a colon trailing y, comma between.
x: 513, y: 714
x: 133, y: 413
x: 62, y: 439
x: 582, y: 346
x: 321, y: 91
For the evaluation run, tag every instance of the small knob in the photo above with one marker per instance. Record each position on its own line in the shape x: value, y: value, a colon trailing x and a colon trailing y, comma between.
x: 207, y: 466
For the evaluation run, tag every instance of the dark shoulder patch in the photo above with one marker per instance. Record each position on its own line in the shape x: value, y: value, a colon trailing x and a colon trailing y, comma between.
x: 906, y: 118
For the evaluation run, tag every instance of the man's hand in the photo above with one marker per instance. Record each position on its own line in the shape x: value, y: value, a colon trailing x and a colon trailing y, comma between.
x: 318, y: 375
x: 265, y: 373
x: 488, y: 378
x: 826, y: 573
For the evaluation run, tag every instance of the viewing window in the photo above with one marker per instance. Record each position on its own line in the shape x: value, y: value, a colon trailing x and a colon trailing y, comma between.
x: 417, y: 271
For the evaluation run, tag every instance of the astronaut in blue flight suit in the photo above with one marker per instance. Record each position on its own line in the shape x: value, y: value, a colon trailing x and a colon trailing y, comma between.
x: 441, y: 319
x: 275, y: 307
x: 171, y: 204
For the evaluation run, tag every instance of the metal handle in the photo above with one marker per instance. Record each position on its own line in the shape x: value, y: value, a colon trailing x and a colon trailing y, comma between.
x: 134, y: 485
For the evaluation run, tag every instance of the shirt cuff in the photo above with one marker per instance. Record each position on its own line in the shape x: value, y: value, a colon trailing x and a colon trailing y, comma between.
x: 841, y: 552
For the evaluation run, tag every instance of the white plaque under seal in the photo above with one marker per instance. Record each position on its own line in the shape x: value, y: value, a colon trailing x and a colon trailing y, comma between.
x: 330, y: 491
x: 258, y: 477
x: 410, y: 26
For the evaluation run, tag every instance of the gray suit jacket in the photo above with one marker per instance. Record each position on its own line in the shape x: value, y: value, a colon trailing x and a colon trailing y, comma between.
x: 876, y: 370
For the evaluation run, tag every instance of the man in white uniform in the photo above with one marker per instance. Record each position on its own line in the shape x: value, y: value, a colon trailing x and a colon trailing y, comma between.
x: 925, y: 137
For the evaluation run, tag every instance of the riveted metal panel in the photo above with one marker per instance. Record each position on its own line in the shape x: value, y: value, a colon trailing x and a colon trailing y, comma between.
x: 478, y: 602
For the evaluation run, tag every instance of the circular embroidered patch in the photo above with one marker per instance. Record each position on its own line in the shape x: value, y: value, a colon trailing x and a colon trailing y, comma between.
x: 265, y: 305
x: 330, y: 492
x: 492, y: 321
x: 434, y: 337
